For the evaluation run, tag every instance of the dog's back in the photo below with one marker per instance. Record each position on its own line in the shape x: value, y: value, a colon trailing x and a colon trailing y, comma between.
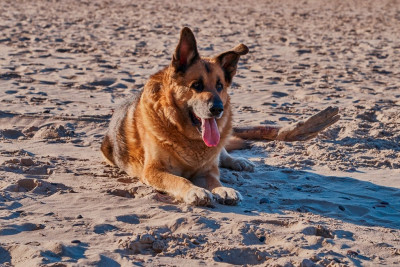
x: 114, y: 146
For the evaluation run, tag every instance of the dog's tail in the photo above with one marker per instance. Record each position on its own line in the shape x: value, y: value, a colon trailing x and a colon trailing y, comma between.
x: 236, y: 143
x: 300, y: 131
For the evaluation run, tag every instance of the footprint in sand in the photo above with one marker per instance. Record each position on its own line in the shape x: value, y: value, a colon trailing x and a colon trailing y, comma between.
x: 143, y: 244
x: 18, y: 228
x: 58, y: 251
x: 52, y: 132
x: 240, y: 256
x: 130, y: 219
x: 133, y: 192
x: 10, y: 134
x: 36, y: 186
x: 198, y: 224
x: 29, y: 166
x: 104, y: 228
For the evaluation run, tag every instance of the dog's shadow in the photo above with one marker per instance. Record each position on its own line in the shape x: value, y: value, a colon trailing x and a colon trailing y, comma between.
x: 282, y: 191
x: 274, y: 190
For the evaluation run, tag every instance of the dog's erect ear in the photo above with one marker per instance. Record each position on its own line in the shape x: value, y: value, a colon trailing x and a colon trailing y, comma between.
x: 186, y: 52
x: 230, y: 59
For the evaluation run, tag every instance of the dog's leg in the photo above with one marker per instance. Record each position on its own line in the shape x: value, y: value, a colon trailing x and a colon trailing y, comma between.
x: 210, y: 181
x: 179, y: 187
x: 236, y: 164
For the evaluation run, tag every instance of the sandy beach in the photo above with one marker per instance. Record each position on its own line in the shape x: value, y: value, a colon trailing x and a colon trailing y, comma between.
x: 331, y: 201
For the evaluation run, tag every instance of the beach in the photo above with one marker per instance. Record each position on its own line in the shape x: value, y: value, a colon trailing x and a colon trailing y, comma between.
x: 330, y: 201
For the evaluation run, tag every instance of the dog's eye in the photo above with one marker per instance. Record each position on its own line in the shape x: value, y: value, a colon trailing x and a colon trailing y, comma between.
x: 198, y: 86
x: 219, y: 86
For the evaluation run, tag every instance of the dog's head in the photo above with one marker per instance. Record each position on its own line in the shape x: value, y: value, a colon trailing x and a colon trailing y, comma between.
x: 203, y: 82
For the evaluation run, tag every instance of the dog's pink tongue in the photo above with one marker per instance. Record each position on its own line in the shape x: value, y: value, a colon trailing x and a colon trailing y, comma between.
x: 210, y: 132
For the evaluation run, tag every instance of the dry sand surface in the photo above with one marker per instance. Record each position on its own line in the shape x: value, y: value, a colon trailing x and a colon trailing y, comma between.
x: 331, y: 201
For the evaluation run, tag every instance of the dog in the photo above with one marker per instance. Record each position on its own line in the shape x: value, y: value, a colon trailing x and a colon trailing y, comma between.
x: 174, y: 134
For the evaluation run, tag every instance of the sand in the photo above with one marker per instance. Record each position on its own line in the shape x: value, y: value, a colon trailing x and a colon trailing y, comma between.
x: 331, y: 201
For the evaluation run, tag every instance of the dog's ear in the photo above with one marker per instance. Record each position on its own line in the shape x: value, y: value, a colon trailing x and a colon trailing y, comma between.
x: 186, y: 52
x: 229, y: 60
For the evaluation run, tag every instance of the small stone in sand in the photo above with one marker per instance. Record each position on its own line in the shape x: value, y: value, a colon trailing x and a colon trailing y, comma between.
x: 352, y: 253
x: 51, y: 132
x: 324, y: 232
x: 307, y: 263
x: 27, y: 162
x: 158, y: 246
x: 147, y: 239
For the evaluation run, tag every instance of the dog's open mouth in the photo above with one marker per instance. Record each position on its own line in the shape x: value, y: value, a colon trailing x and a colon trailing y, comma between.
x: 207, y: 127
x: 196, y: 121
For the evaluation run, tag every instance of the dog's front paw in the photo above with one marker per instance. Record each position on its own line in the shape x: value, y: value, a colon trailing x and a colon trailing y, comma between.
x: 241, y: 164
x: 198, y: 196
x: 226, y: 195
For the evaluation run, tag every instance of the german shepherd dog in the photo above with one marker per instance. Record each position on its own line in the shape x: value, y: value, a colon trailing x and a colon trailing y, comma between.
x: 173, y: 135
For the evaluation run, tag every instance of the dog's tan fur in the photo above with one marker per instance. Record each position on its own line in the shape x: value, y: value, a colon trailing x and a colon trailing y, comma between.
x: 153, y: 137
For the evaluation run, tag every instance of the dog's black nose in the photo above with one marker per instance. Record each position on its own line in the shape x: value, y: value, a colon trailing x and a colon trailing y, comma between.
x: 216, y: 109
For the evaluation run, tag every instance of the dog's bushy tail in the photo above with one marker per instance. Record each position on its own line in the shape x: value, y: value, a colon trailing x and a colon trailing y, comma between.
x: 107, y: 150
